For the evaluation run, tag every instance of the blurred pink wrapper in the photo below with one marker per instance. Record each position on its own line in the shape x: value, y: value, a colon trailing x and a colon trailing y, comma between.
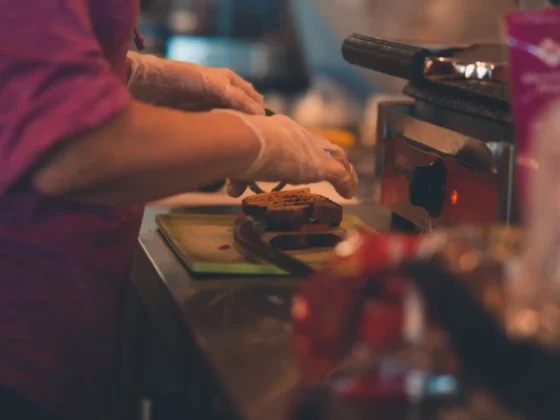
x: 533, y: 38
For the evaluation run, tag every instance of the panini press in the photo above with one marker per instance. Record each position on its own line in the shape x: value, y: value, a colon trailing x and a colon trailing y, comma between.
x: 446, y: 156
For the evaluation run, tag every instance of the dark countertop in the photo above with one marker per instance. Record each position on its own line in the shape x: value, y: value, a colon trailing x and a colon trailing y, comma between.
x: 240, y: 324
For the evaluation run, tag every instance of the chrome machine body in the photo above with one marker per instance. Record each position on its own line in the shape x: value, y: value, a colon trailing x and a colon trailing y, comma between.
x: 445, y: 156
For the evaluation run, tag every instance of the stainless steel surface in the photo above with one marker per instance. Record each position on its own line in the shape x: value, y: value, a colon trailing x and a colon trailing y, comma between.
x: 241, y: 324
x: 403, y: 121
x: 411, y: 123
x: 468, y: 125
x: 441, y: 68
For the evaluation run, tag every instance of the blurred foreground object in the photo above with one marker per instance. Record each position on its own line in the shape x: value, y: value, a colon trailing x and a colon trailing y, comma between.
x: 534, y: 45
x: 402, y: 324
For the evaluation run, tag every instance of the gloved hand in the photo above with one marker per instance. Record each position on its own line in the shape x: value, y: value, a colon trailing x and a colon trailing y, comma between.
x: 289, y: 153
x: 190, y: 87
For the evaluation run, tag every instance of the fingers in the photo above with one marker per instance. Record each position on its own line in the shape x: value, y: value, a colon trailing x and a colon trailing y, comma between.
x: 336, y: 152
x: 333, y: 166
x: 235, y: 188
x: 247, y: 87
x: 344, y: 179
x: 340, y: 155
x: 237, y: 99
x: 295, y: 156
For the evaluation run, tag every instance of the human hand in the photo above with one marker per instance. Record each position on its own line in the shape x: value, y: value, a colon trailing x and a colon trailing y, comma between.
x: 190, y: 87
x: 290, y: 153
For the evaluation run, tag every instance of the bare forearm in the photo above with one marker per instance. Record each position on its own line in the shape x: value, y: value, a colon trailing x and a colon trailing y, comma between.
x: 148, y: 153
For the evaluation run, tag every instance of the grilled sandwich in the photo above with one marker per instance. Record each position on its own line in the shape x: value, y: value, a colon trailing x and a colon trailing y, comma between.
x: 294, y: 210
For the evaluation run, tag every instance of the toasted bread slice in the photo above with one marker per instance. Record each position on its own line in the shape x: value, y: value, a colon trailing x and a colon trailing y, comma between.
x: 288, y: 210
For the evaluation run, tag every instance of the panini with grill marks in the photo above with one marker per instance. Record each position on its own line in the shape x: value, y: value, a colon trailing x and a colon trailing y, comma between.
x: 289, y: 210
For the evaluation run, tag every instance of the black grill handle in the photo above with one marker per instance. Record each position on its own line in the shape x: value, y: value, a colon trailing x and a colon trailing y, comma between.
x: 392, y: 58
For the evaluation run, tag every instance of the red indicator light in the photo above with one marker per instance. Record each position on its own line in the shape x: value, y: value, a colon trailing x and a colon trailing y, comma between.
x: 454, y: 197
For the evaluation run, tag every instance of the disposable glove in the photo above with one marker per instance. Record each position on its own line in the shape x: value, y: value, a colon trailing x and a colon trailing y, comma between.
x: 190, y: 87
x: 290, y: 153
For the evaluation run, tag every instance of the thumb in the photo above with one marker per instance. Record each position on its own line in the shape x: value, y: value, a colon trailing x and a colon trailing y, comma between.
x: 342, y: 177
x: 235, y: 188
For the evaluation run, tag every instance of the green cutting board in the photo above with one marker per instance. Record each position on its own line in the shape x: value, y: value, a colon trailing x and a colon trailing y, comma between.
x: 205, y: 245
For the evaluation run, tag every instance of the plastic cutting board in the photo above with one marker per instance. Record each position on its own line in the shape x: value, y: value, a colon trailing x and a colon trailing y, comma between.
x: 204, y: 243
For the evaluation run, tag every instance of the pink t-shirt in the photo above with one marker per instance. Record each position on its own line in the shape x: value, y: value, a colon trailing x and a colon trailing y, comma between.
x: 62, y: 264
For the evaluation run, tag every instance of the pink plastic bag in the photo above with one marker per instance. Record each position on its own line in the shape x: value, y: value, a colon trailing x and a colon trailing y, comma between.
x: 533, y: 39
x: 534, y: 45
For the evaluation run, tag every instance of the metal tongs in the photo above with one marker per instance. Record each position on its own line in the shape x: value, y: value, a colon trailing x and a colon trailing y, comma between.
x: 248, y: 238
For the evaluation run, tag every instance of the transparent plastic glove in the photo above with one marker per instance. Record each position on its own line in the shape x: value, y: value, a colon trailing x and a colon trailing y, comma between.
x: 289, y: 153
x: 190, y: 87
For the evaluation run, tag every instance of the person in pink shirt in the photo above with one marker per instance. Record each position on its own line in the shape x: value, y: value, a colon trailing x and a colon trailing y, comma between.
x: 89, y: 132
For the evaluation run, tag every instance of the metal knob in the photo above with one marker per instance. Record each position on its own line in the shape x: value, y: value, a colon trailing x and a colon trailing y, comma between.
x: 427, y: 187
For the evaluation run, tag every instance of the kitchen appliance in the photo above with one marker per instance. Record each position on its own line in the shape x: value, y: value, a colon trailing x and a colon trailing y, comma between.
x: 445, y: 156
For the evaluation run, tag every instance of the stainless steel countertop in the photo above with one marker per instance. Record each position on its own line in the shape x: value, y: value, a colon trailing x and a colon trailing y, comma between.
x: 241, y: 324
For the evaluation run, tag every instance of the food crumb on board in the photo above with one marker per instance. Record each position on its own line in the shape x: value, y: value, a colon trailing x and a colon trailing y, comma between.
x: 224, y: 247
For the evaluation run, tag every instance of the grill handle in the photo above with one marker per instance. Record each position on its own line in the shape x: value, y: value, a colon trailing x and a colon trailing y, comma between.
x: 387, y: 57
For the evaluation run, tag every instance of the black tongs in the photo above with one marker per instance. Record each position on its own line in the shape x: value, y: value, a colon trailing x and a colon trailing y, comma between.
x: 247, y: 236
